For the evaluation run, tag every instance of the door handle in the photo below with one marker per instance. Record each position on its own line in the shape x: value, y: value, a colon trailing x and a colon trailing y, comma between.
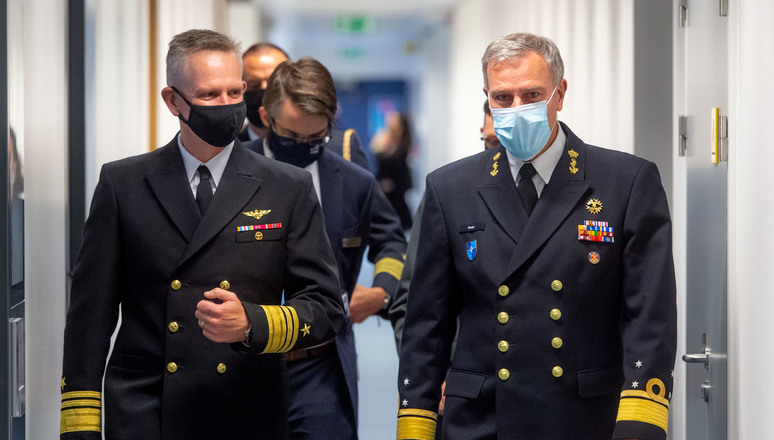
x: 702, y: 358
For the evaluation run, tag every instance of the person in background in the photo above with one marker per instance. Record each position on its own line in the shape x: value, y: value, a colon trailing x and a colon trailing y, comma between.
x: 488, y: 135
x: 550, y: 260
x: 195, y: 245
x: 259, y: 61
x: 392, y: 147
x: 298, y: 108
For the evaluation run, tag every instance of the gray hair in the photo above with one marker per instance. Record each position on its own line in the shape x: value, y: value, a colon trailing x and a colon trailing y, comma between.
x: 516, y: 46
x: 192, y: 41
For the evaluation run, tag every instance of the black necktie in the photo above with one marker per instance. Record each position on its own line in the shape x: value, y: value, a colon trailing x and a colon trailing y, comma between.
x: 204, y: 190
x: 527, y: 191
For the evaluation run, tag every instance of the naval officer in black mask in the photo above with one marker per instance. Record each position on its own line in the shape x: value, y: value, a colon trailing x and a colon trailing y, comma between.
x: 195, y: 243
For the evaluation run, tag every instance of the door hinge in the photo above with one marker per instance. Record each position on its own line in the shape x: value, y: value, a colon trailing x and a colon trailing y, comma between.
x: 682, y: 122
x: 682, y: 13
x: 723, y: 8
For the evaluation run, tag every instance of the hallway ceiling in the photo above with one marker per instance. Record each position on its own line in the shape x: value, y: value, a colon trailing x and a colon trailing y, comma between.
x: 378, y: 7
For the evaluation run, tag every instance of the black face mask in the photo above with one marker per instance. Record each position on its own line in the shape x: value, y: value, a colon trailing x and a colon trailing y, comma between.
x: 218, y: 125
x: 296, y: 153
x: 253, y: 100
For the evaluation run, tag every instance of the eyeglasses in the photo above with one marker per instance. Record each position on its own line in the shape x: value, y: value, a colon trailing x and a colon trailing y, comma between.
x: 491, y: 142
x: 291, y: 141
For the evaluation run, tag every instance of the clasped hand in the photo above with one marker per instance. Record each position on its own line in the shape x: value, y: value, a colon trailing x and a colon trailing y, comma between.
x: 222, y: 316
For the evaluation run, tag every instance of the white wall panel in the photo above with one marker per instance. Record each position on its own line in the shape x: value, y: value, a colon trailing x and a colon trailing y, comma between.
x: 118, y: 83
x: 751, y: 214
x: 45, y: 121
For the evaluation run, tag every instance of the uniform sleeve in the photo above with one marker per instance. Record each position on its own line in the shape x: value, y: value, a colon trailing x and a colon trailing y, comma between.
x: 91, y: 316
x: 386, y: 243
x: 397, y: 308
x: 649, y: 330
x: 429, y: 327
x: 313, y: 311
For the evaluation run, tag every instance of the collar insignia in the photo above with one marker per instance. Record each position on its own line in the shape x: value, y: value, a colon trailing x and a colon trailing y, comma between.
x: 494, y: 165
x: 573, y: 162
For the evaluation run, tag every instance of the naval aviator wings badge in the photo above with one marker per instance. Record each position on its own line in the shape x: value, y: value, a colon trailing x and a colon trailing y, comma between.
x: 257, y: 214
x: 471, y: 247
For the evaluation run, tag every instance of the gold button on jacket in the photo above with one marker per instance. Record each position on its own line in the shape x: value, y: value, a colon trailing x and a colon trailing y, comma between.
x: 174, y: 327
x: 556, y: 342
x: 171, y: 367
x: 503, y: 317
x: 504, y: 374
x: 556, y: 314
x: 557, y: 371
x: 503, y: 346
x: 556, y: 285
x: 503, y: 290
x: 176, y: 285
x: 221, y: 368
x: 225, y: 285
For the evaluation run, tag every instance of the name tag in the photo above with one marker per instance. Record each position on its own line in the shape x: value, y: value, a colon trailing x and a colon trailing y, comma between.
x: 351, y: 242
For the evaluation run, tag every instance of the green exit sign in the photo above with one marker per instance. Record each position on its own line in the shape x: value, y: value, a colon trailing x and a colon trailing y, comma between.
x: 355, y: 23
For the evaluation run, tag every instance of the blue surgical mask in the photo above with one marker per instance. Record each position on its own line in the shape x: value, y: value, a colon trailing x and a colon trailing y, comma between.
x: 523, y: 130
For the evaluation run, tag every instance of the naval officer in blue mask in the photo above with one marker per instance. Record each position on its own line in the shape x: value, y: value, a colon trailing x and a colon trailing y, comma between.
x: 551, y: 260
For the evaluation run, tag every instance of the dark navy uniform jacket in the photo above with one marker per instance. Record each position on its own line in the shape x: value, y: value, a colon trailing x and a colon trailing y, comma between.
x: 357, y: 216
x: 148, y: 252
x: 559, y: 337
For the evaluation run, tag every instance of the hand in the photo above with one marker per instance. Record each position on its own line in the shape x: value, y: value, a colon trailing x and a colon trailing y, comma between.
x: 443, y: 398
x: 223, y: 321
x: 365, y: 302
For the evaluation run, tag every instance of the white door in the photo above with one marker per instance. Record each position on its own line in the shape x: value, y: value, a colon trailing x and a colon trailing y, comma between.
x: 702, y: 58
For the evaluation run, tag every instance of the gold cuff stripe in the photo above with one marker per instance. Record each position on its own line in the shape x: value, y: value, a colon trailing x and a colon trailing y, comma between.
x: 417, y: 412
x: 80, y: 419
x: 390, y: 266
x: 82, y: 395
x: 416, y: 426
x: 346, y: 149
x: 283, y: 328
x: 644, y: 410
x: 291, y: 318
x: 73, y: 403
x: 645, y: 395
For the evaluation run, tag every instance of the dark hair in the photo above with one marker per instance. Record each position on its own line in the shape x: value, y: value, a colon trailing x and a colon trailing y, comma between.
x: 487, y: 110
x: 263, y: 46
x: 192, y: 41
x: 308, y: 85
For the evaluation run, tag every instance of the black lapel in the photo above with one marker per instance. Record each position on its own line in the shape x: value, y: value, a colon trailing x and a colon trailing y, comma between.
x: 567, y: 185
x: 331, y: 192
x: 237, y: 186
x: 498, y: 190
x: 170, y: 184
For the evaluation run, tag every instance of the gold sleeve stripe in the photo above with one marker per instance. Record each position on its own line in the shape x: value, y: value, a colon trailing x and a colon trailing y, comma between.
x: 80, y: 419
x: 391, y: 266
x: 82, y: 395
x: 283, y: 328
x: 79, y: 403
x: 346, y: 147
x: 416, y: 424
x: 645, y: 395
x: 642, y: 409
